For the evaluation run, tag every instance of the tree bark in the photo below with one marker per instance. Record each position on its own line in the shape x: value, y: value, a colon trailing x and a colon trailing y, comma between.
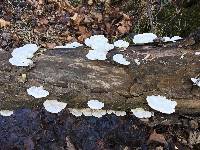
x: 70, y: 77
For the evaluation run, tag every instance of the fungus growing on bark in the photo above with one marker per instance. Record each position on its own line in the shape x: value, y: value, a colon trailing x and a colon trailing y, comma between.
x: 6, y: 113
x: 54, y: 106
x: 70, y: 45
x: 196, y: 81
x: 100, y: 47
x: 120, y: 59
x: 95, y: 104
x: 144, y: 38
x: 172, y: 39
x: 162, y: 104
x: 94, y: 112
x: 141, y: 113
x: 121, y: 44
x: 37, y: 92
x: 22, y: 56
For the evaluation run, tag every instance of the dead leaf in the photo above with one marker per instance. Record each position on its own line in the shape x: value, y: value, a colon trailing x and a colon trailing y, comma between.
x: 90, y: 2
x: 84, y: 36
x: 82, y: 29
x: 74, y: 16
x: 122, y: 29
x: 84, y: 33
x: 78, y: 20
x: 157, y: 138
x: 44, y: 21
x: 88, y: 19
x: 4, y: 23
x: 43, y: 45
x: 50, y: 45
x: 69, y: 38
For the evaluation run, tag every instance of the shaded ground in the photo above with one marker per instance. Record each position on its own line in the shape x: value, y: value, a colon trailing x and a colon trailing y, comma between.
x: 55, y: 22
x: 38, y: 129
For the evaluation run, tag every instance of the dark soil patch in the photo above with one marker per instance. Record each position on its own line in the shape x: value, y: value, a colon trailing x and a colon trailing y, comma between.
x: 38, y: 129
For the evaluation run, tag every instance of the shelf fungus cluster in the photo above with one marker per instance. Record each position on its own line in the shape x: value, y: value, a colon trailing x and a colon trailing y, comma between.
x: 22, y: 56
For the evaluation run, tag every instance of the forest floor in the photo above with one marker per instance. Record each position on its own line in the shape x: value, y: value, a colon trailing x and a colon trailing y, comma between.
x: 38, y: 129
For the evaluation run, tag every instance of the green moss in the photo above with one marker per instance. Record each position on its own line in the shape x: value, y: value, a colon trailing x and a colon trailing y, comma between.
x: 75, y: 3
x: 169, y: 21
x: 168, y: 18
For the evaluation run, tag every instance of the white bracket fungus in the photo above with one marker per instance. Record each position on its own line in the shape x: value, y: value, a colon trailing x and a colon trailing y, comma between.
x: 120, y: 113
x: 162, y: 104
x: 137, y: 61
x: 95, y: 104
x: 75, y: 112
x: 70, y: 45
x: 196, y: 81
x: 94, y: 112
x: 87, y: 112
x: 197, y: 53
x: 6, y: 113
x: 172, y: 39
x: 98, y: 113
x: 37, y: 92
x: 120, y: 59
x: 96, y: 41
x: 22, y: 56
x: 96, y: 55
x: 54, y: 106
x: 141, y: 113
x: 144, y: 38
x: 121, y: 44
x: 21, y: 62
x: 100, y: 47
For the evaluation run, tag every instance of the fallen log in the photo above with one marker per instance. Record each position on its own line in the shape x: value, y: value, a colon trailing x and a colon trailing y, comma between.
x: 70, y: 77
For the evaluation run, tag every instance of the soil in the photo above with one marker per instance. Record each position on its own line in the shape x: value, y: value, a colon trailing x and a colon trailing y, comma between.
x: 38, y: 129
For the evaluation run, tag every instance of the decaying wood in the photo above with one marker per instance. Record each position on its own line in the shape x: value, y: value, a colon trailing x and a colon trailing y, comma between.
x: 70, y: 77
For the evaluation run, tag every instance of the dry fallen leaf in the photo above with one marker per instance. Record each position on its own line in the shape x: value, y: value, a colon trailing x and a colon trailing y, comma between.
x: 74, y: 16
x: 122, y: 29
x: 78, y: 20
x: 69, y: 38
x: 50, y: 45
x: 99, y: 17
x: 157, y: 138
x: 44, y: 21
x: 4, y: 23
x: 83, y: 37
x: 84, y: 33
